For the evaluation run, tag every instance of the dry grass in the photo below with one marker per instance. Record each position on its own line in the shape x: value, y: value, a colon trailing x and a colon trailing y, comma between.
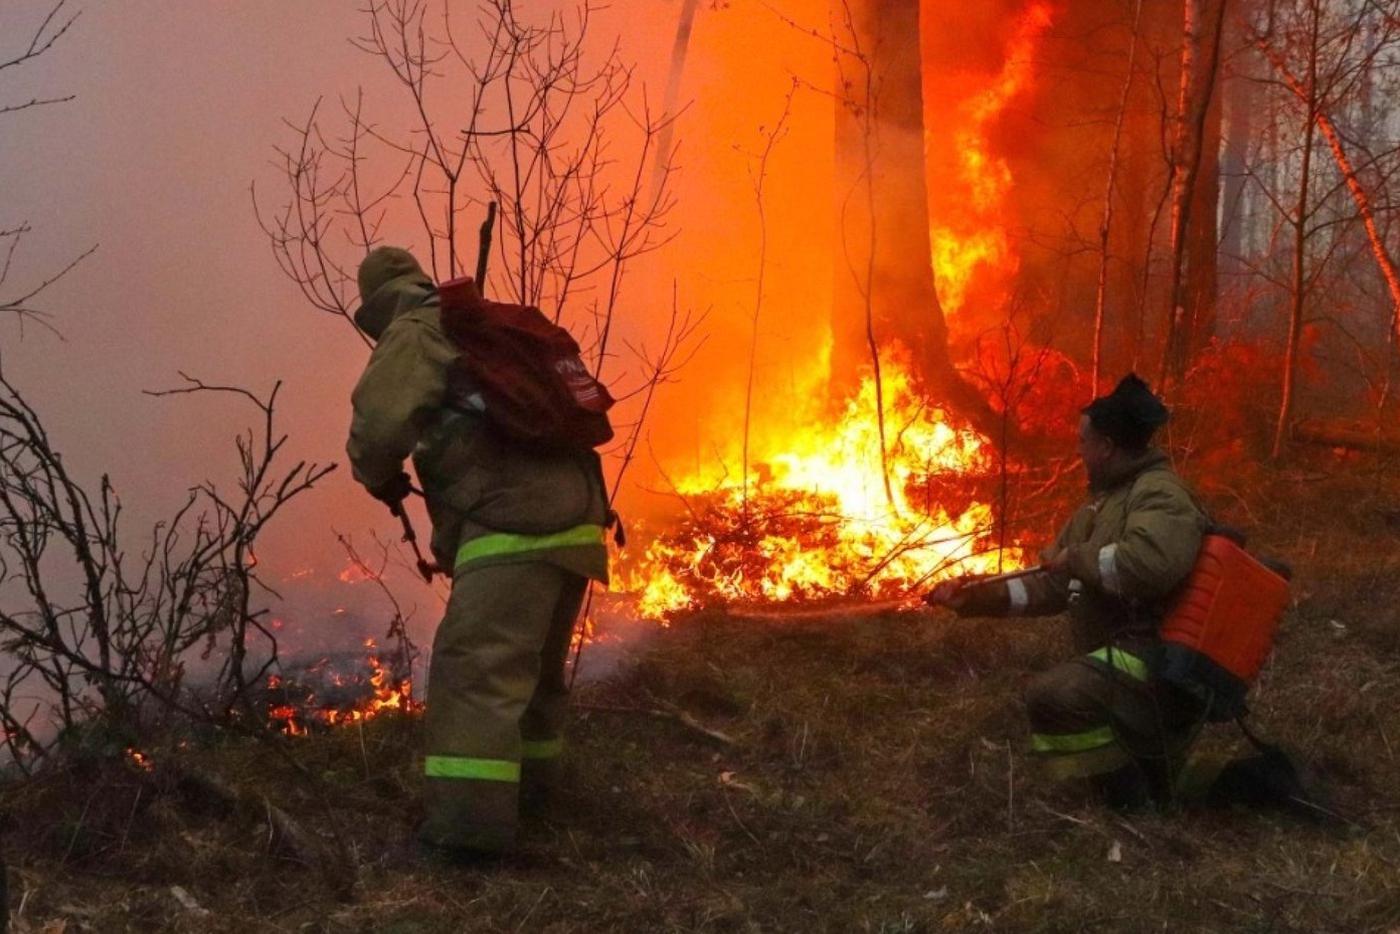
x: 875, y: 782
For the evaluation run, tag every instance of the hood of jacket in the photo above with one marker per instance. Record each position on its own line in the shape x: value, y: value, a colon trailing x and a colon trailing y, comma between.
x: 391, y: 282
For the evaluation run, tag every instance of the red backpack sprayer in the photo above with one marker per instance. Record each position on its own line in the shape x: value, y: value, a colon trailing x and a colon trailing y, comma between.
x: 535, y: 389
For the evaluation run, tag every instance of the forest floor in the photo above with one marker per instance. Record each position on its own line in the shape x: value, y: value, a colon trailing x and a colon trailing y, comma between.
x: 847, y: 771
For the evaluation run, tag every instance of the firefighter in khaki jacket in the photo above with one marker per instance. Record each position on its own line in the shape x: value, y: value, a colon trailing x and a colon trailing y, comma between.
x: 523, y: 533
x: 1102, y: 715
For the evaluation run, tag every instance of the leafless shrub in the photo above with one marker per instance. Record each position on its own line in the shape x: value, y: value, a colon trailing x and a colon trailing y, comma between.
x: 561, y: 141
x: 97, y: 635
x: 21, y: 300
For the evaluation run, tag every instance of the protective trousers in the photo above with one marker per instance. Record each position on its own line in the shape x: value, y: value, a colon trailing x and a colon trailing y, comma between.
x: 496, y: 699
x: 1100, y: 712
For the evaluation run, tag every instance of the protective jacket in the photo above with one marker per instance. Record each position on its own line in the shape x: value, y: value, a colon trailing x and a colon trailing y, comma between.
x: 1129, y: 548
x: 490, y: 501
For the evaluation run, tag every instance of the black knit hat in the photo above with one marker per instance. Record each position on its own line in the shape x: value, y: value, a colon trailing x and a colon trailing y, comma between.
x: 1129, y: 415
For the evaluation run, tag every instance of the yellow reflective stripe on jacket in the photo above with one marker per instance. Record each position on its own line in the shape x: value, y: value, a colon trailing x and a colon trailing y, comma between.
x: 509, y: 543
x: 543, y: 748
x: 1129, y: 664
x: 1071, y: 742
x: 486, y: 770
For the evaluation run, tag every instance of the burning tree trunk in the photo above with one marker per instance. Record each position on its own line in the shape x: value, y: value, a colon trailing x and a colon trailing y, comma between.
x: 884, y: 289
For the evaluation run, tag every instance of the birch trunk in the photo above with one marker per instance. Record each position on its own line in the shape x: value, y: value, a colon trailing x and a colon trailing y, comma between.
x: 1106, y: 225
x: 1199, y: 66
x: 1299, y: 223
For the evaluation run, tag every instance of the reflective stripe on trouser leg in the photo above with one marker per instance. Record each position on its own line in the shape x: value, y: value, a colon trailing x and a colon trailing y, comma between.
x: 482, y: 770
x: 1077, y: 755
x: 484, y: 670
x: 498, y: 544
x: 1075, y: 708
x: 1121, y: 661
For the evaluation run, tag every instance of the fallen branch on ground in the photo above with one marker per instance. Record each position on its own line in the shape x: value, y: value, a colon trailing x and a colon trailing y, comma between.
x: 672, y: 714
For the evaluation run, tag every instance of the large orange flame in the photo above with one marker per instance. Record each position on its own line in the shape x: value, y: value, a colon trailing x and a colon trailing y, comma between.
x: 977, y: 243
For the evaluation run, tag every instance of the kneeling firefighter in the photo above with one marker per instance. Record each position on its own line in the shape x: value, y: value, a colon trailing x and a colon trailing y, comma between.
x: 520, y: 526
x: 1107, y: 715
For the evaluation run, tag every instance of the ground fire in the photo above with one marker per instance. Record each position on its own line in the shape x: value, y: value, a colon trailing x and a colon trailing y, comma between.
x: 818, y: 519
x: 327, y: 693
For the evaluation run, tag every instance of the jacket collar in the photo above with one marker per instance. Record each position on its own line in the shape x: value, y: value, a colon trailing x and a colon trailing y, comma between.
x: 1124, y: 472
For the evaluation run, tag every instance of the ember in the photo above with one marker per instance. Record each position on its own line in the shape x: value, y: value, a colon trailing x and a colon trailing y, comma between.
x: 140, y: 760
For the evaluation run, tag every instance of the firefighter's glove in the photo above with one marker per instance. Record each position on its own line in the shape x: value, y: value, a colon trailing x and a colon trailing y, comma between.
x: 967, y: 596
x: 949, y: 593
x: 1056, y: 562
x: 393, y: 491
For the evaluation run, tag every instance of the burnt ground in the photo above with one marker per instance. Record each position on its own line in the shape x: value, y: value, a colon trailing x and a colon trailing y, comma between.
x: 868, y: 775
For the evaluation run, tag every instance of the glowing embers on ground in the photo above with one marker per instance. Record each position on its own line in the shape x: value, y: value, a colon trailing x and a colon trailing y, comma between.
x: 321, y: 695
x: 139, y: 760
x: 974, y: 247
x: 819, y: 521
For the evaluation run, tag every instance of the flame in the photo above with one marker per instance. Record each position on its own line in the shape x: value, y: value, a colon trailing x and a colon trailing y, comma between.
x: 819, y: 520
x: 383, y: 694
x: 978, y: 243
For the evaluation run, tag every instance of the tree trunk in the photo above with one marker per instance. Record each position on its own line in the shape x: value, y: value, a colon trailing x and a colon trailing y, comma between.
x: 884, y: 290
x: 671, y: 105
x: 1202, y: 281
x: 1200, y: 59
x: 1106, y: 223
x: 1239, y: 127
x: 1300, y: 242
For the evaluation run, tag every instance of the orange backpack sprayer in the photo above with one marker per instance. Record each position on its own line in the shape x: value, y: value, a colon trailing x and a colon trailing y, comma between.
x: 1222, y: 622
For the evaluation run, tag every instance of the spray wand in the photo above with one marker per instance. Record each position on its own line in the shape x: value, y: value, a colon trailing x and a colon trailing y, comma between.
x: 1007, y: 576
x: 973, y: 582
x: 425, y: 567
